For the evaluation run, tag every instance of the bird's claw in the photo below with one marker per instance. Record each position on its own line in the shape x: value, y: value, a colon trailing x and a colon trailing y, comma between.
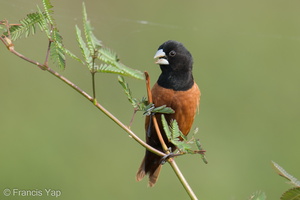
x: 163, y: 160
x: 149, y: 109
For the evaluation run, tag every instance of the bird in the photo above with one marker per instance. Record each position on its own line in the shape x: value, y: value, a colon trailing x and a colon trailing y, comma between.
x: 174, y: 88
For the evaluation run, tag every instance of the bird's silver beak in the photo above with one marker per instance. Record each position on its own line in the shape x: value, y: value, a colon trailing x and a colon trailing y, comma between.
x: 162, y: 59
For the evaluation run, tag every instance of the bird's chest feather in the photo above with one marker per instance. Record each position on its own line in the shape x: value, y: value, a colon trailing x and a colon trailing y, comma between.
x: 184, y: 103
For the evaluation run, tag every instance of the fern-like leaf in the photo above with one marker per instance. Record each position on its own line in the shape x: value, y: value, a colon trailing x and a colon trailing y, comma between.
x: 175, y: 129
x: 174, y: 135
x: 130, y: 72
x: 126, y: 89
x: 200, y: 148
x: 69, y: 53
x: 163, y: 109
x: 285, y: 174
x: 291, y: 194
x: 166, y: 127
x: 56, y: 50
x: 107, y: 68
x: 108, y: 56
x: 258, y: 196
x: 92, y: 42
x: 92, y: 49
x: 139, y: 105
x: 27, y: 27
x: 2, y: 28
x: 47, y: 7
x: 44, y: 23
x: 83, y: 47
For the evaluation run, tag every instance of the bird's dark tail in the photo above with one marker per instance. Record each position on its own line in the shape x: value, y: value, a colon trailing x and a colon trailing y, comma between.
x: 150, y: 165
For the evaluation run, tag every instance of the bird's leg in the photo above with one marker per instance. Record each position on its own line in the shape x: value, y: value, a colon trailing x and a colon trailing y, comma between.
x: 149, y: 109
x: 164, y: 159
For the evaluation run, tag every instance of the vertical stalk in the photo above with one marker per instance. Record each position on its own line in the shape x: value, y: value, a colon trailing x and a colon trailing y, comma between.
x: 93, y: 71
x: 159, y: 135
x: 93, y: 84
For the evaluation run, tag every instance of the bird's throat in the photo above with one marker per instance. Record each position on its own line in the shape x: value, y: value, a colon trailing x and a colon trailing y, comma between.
x: 176, y: 81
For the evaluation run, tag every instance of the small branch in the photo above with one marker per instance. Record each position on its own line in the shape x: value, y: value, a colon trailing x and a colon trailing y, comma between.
x: 10, y: 46
x: 49, y: 46
x: 94, y: 84
x: 93, y: 72
x: 47, y: 53
x: 183, y: 181
x: 162, y: 142
x: 132, y: 118
x: 5, y: 22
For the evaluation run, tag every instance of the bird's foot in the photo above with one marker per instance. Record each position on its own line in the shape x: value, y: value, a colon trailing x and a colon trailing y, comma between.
x: 164, y: 159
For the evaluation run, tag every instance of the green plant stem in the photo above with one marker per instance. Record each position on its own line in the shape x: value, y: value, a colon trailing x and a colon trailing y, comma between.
x: 48, y: 53
x: 183, y: 181
x: 93, y: 72
x: 94, y: 84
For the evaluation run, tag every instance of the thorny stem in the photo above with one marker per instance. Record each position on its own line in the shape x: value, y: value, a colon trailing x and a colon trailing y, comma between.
x: 170, y: 160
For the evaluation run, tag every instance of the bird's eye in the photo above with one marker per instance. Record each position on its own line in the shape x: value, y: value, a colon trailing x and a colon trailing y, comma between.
x: 172, y: 53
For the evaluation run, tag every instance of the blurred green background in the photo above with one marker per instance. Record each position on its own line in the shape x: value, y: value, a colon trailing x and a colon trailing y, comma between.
x: 246, y: 62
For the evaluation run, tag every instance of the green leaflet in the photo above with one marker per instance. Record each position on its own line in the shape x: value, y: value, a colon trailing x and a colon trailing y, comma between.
x: 291, y: 194
x: 56, y: 50
x: 93, y: 50
x: 84, y: 50
x: 258, y: 196
x: 47, y: 8
x: 175, y: 129
x: 27, y: 27
x: 67, y: 52
x: 107, y: 68
x: 286, y: 175
x: 92, y: 42
x: 173, y: 133
x: 166, y: 127
x: 199, y: 146
x: 163, y: 109
x: 44, y: 21
x: 139, y: 105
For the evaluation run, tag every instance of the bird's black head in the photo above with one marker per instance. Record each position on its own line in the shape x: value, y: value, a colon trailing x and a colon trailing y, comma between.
x: 176, y: 63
